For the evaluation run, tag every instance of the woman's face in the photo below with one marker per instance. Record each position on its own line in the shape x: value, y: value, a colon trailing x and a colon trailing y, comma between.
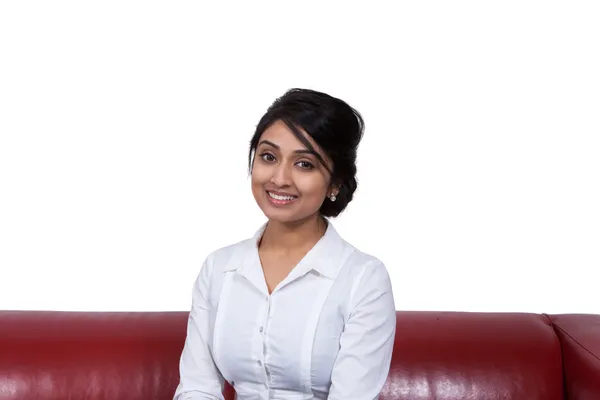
x: 289, y: 183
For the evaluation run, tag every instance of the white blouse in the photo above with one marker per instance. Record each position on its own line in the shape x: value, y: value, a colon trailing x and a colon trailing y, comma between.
x: 326, y: 331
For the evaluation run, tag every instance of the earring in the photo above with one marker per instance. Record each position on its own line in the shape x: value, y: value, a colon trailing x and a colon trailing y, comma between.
x: 332, y: 197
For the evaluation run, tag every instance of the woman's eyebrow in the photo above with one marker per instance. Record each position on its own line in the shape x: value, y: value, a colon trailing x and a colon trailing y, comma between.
x: 299, y: 151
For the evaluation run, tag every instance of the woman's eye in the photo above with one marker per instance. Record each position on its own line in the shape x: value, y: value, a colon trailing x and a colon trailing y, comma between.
x: 267, y: 157
x: 305, y: 165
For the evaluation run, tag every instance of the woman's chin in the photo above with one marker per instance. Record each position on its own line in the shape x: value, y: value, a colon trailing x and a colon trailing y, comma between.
x: 280, y: 217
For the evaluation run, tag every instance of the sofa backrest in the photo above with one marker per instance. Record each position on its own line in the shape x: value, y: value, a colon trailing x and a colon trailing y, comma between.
x: 450, y: 355
x: 92, y: 356
x: 437, y: 355
x: 580, y: 343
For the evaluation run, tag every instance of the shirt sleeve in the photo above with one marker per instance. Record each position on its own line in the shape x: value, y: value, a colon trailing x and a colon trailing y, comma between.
x: 363, y: 362
x: 199, y: 377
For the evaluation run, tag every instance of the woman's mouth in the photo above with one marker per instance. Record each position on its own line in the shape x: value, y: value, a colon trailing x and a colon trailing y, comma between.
x: 281, y: 200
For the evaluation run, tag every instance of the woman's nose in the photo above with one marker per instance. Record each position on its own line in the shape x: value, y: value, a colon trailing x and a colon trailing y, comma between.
x: 281, y: 175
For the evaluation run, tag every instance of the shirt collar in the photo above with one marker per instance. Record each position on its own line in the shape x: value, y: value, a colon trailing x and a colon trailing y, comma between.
x: 324, y: 257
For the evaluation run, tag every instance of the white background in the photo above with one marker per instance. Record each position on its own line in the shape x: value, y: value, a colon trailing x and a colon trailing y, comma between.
x: 124, y: 129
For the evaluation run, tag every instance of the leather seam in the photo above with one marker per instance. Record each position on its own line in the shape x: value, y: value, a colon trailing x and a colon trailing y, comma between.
x: 561, y: 348
x: 576, y: 341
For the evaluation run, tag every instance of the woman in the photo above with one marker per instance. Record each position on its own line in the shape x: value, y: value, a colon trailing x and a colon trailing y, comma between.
x: 294, y: 312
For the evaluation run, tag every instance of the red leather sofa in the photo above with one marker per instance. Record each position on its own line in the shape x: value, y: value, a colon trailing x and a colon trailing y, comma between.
x: 47, y: 355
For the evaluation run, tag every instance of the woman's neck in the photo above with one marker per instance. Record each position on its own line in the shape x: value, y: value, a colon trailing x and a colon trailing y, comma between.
x: 289, y: 237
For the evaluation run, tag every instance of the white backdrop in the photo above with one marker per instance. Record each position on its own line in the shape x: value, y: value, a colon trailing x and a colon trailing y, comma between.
x: 124, y: 130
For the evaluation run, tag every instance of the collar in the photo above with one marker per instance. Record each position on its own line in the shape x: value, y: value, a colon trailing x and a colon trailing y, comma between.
x: 324, y: 257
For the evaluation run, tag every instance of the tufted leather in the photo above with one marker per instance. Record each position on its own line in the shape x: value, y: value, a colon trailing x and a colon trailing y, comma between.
x: 437, y: 355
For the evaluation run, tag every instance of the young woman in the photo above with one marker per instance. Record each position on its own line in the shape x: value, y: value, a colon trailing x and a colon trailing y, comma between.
x: 294, y: 312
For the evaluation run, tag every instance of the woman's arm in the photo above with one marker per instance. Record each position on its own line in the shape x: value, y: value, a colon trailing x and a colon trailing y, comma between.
x: 199, y: 377
x: 366, y: 344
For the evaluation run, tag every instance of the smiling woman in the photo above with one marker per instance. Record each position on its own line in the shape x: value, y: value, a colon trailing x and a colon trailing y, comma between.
x: 324, y: 129
x: 288, y: 182
x: 295, y: 312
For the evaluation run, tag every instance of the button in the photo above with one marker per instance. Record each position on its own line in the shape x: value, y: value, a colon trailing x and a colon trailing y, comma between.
x: 261, y: 329
x: 259, y: 363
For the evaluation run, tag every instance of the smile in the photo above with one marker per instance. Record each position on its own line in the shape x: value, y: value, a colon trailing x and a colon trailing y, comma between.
x: 278, y: 199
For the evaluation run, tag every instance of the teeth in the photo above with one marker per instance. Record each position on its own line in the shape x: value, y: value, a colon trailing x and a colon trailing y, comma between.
x: 277, y: 197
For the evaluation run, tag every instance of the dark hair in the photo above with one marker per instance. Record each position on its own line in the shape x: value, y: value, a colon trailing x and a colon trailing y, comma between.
x: 335, y: 126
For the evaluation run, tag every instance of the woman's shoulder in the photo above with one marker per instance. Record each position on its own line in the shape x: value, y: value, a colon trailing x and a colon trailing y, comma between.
x: 361, y: 260
x: 228, y: 256
x: 352, y: 258
x: 364, y: 270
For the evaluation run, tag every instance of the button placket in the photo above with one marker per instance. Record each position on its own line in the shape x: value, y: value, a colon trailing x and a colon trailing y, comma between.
x: 261, y: 359
x: 263, y: 330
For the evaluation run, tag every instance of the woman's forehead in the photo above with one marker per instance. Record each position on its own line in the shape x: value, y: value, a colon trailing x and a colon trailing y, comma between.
x: 280, y: 135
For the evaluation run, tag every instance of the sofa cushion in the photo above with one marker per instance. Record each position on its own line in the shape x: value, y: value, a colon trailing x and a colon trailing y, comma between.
x: 87, y: 355
x: 454, y: 355
x: 437, y: 355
